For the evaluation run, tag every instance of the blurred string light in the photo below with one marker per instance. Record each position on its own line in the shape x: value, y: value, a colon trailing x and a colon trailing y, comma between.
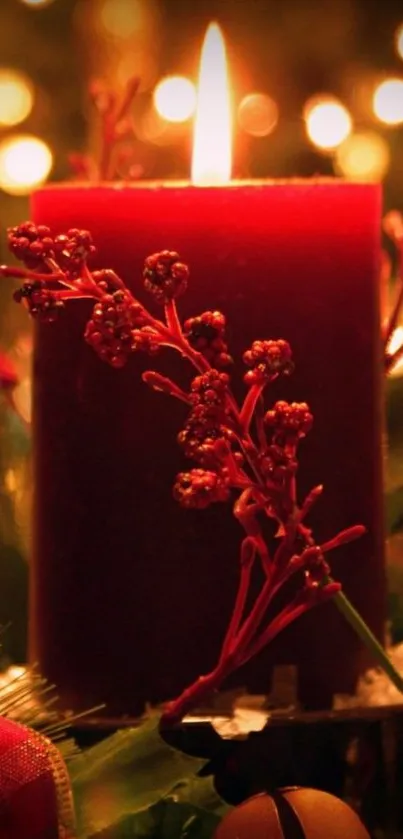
x: 175, y: 98
x: 364, y: 156
x: 399, y: 40
x: 388, y: 101
x: 257, y: 114
x: 328, y: 122
x: 121, y: 18
x: 16, y: 97
x: 25, y: 162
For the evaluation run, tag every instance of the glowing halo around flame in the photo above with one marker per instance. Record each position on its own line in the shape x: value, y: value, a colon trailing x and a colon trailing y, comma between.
x: 211, y: 163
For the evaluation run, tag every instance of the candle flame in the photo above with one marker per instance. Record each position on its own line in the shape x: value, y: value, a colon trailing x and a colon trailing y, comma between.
x: 211, y: 163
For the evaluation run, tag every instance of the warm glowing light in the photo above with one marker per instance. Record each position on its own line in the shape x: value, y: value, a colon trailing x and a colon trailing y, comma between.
x: 152, y: 128
x: 23, y: 398
x: 258, y: 114
x: 10, y: 480
x: 394, y: 345
x: 211, y: 164
x: 25, y: 162
x: 16, y: 97
x: 399, y: 40
x: 175, y: 98
x: 328, y: 122
x: 121, y: 18
x: 396, y: 340
x: 388, y: 101
x: 363, y: 156
x: 36, y: 3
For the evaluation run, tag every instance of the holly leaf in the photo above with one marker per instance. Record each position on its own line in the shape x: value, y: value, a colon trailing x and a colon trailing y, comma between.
x: 126, y: 775
x: 192, y: 810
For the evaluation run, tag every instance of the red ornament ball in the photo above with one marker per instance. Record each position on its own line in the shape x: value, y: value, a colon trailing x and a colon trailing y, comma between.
x: 292, y: 813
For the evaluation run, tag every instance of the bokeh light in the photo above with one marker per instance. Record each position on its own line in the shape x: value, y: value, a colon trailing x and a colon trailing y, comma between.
x: 399, y: 40
x: 16, y: 97
x: 328, y: 122
x: 364, y: 156
x: 175, y: 98
x: 388, y: 101
x: 394, y: 345
x: 121, y: 18
x: 36, y: 3
x: 152, y: 128
x: 25, y: 162
x: 258, y: 114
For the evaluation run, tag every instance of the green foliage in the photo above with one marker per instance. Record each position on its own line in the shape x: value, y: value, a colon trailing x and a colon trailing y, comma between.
x: 134, y: 785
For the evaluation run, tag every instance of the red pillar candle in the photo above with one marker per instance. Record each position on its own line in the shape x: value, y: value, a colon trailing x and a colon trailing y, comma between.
x: 131, y: 595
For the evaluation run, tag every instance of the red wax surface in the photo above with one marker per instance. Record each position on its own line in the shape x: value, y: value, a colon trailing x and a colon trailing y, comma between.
x: 131, y: 595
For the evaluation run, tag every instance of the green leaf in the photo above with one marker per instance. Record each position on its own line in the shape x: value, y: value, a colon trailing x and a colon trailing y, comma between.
x: 201, y: 793
x: 165, y: 820
x: 125, y: 775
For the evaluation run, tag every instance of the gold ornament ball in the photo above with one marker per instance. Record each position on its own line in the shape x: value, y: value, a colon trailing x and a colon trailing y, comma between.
x: 292, y: 813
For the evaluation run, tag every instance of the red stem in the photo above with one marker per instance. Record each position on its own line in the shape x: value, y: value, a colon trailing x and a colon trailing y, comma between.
x: 248, y: 551
x: 287, y: 616
x: 172, y: 319
x: 249, y: 405
x: 310, y: 500
x: 192, y: 695
x: 11, y: 271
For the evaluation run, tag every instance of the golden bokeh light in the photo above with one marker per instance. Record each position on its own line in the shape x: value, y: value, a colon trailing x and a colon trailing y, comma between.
x: 399, y: 40
x: 258, y: 114
x: 328, y: 122
x: 152, y: 128
x: 364, y: 156
x: 121, y: 18
x: 36, y: 4
x: 212, y: 146
x: 388, y: 101
x: 25, y: 162
x: 16, y: 97
x: 394, y: 345
x: 175, y: 98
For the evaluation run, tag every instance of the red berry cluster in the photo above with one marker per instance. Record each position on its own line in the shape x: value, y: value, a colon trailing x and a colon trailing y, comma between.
x: 34, y: 245
x: 206, y: 334
x: 165, y: 276
x: 110, y: 329
x: 146, y: 339
x: 41, y: 302
x: 72, y: 250
x: 276, y: 464
x: 199, y: 488
x: 202, y: 441
x: 267, y: 360
x: 30, y: 243
x: 209, y: 389
x: 107, y: 280
x: 289, y: 420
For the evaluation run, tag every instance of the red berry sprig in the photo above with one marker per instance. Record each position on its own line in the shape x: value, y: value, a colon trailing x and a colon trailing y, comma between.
x: 267, y: 359
x: 206, y: 333
x: 199, y: 488
x: 165, y: 276
x: 240, y: 451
